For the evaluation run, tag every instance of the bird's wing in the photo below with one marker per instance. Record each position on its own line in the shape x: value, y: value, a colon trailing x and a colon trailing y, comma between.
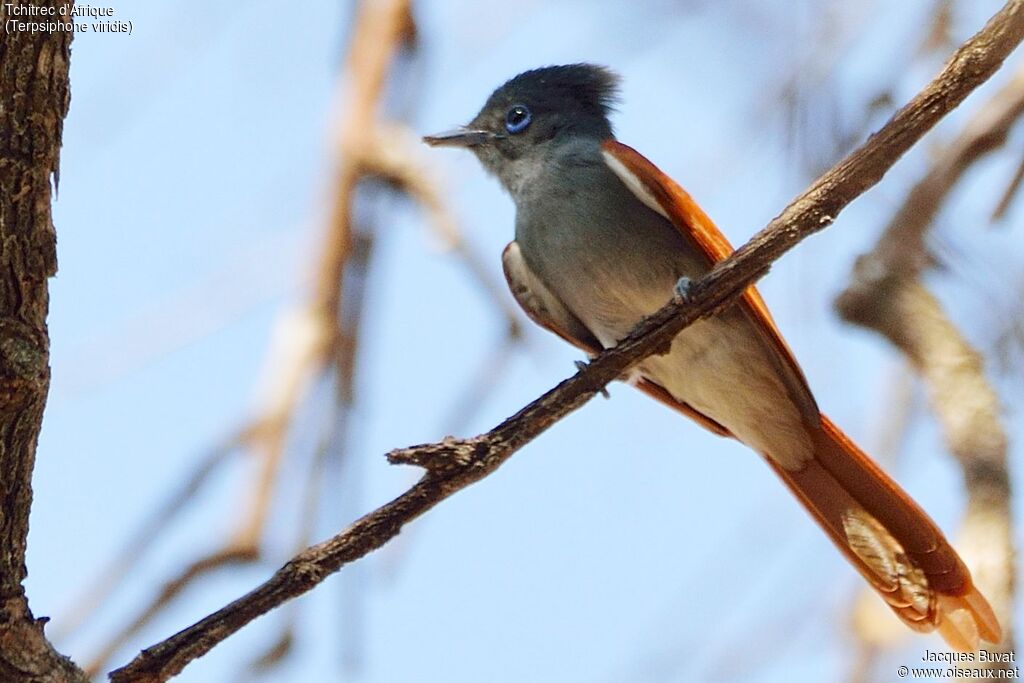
x: 544, y: 308
x: 541, y: 305
x: 662, y: 194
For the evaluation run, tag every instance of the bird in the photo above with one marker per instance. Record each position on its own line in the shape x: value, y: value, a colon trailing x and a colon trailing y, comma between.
x: 604, y: 238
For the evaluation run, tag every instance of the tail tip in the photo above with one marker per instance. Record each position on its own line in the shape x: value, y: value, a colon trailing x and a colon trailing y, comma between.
x: 965, y: 620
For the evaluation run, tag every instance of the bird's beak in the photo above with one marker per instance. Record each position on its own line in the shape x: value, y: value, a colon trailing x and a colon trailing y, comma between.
x: 459, y: 137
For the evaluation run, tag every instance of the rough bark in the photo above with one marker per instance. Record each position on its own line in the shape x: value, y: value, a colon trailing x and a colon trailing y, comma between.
x: 34, y: 98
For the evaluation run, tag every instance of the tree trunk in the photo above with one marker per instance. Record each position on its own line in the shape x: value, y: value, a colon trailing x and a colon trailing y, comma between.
x: 34, y: 97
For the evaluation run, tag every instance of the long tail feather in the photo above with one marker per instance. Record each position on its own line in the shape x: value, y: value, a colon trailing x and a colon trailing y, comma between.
x: 891, y: 541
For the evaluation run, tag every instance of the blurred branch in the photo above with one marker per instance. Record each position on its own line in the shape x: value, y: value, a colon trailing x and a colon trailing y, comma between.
x: 227, y: 557
x: 280, y: 647
x: 1009, y: 342
x: 396, y: 162
x: 380, y: 29
x: 886, y: 295
x: 940, y: 33
x: 399, y: 166
x: 968, y: 409
x: 338, y: 441
x: 898, y: 407
x: 127, y: 559
x: 484, y: 381
x: 454, y: 464
x: 1008, y: 195
x: 901, y: 249
x: 815, y: 132
x: 34, y: 98
x: 321, y: 336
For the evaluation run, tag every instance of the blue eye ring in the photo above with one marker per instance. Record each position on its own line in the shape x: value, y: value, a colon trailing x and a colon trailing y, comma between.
x: 517, y: 119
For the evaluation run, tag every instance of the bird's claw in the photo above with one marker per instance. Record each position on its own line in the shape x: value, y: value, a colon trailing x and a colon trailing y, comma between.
x: 683, y: 288
x: 581, y: 366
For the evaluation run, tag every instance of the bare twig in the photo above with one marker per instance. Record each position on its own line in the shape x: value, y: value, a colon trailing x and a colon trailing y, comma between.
x: 454, y: 464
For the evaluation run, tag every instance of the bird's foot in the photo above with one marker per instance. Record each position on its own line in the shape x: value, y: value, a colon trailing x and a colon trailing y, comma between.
x: 683, y: 289
x: 580, y: 365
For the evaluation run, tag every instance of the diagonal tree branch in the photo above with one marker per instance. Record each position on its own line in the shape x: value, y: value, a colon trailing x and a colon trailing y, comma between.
x: 454, y: 464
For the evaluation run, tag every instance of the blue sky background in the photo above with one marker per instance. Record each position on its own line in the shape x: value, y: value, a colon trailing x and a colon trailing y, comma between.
x: 625, y: 543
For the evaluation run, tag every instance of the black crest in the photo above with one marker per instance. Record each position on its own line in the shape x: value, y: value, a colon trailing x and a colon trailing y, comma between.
x: 580, y: 88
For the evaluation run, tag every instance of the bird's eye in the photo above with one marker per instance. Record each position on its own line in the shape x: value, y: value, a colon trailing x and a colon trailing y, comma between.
x: 517, y: 119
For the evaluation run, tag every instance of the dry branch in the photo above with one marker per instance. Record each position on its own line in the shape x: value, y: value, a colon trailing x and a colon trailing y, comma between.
x: 454, y: 464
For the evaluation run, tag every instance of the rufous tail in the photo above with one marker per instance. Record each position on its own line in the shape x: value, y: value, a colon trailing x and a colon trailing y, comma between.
x: 891, y: 541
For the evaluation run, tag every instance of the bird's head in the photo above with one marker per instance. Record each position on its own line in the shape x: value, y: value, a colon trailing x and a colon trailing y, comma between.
x: 533, y: 113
